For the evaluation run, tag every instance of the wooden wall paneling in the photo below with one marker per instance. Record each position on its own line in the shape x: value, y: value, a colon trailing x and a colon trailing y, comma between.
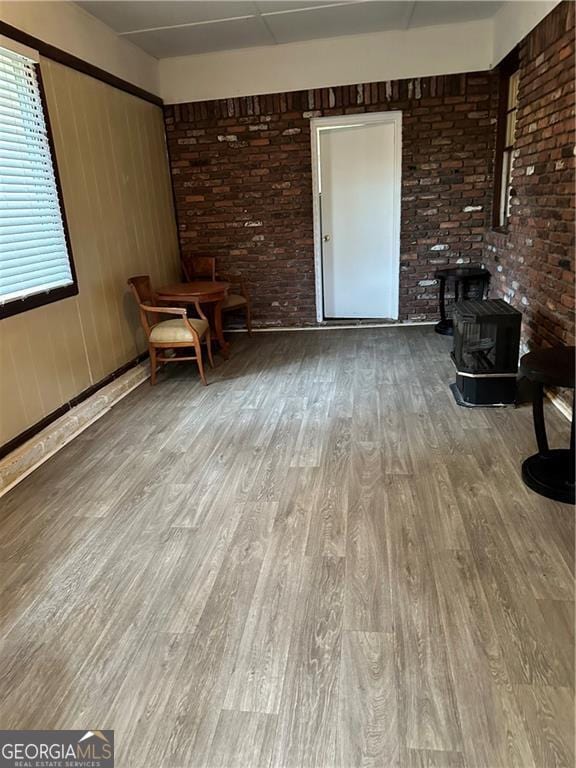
x: 112, y: 159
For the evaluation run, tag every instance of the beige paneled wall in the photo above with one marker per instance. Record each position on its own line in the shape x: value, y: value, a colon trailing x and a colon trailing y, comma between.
x: 115, y: 179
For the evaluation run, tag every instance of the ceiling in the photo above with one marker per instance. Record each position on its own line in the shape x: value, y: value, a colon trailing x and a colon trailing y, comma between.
x: 164, y: 28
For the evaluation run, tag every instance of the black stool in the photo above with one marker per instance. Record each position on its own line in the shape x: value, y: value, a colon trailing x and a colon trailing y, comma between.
x: 550, y: 472
x: 470, y: 282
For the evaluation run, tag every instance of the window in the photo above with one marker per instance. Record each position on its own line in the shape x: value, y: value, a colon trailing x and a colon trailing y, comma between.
x: 35, y: 258
x: 510, y: 128
x: 505, y: 141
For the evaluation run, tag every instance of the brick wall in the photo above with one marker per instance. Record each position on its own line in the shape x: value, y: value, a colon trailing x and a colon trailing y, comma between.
x: 243, y: 184
x: 533, y: 262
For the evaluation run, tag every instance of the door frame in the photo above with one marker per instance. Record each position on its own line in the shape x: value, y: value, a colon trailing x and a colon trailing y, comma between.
x: 317, y: 124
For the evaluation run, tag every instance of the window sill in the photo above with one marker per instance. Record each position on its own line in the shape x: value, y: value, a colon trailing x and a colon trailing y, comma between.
x: 37, y: 300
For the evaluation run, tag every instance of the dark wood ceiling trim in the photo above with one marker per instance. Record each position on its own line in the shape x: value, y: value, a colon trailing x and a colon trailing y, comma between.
x: 62, y: 57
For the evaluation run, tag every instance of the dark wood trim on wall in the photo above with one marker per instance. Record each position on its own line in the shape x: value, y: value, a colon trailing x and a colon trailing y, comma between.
x: 69, y: 60
x: 29, y: 433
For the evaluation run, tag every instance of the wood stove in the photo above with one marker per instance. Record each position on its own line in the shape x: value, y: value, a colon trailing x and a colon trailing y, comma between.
x: 486, y: 347
x: 469, y: 281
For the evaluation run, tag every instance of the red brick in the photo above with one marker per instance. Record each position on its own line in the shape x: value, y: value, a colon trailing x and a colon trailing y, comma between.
x: 536, y: 255
x: 447, y: 164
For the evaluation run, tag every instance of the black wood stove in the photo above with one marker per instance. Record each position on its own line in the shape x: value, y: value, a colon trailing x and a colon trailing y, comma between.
x: 466, y: 281
x: 486, y: 347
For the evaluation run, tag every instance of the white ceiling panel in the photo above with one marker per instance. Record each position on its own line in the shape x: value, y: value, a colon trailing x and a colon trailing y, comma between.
x: 132, y: 15
x: 202, y: 38
x: 166, y: 28
x: 335, y: 21
x: 281, y: 6
x: 428, y: 14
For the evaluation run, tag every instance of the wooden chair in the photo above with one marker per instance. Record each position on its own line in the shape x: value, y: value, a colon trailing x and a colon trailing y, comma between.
x: 204, y: 268
x: 179, y: 333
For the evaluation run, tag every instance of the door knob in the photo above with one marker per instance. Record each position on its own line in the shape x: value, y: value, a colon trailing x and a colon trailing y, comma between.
x: 326, y: 238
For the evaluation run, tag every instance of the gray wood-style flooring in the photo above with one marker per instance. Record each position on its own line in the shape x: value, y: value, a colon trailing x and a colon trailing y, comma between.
x: 318, y: 560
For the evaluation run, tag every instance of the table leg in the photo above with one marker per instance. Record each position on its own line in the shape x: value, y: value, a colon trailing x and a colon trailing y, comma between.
x: 224, y: 346
x: 538, y: 415
x: 442, y: 299
x: 549, y: 472
x: 572, y: 426
x: 444, y: 326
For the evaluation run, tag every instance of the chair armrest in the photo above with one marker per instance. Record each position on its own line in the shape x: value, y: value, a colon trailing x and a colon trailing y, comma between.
x: 164, y: 310
x: 174, y: 310
x: 180, y: 311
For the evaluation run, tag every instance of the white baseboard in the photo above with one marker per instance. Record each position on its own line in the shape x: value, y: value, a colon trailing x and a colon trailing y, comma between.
x: 329, y: 327
x: 26, y: 458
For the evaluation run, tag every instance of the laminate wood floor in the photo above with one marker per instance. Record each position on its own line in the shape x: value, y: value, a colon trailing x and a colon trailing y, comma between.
x: 318, y: 560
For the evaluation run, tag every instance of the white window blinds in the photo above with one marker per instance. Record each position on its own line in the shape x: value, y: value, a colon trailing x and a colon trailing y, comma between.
x: 33, y: 251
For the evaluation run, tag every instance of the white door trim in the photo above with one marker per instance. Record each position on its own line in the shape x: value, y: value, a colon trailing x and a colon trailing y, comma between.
x: 316, y: 125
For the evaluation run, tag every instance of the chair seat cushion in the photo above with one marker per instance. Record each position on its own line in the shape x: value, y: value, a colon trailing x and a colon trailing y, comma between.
x: 175, y: 331
x: 233, y: 300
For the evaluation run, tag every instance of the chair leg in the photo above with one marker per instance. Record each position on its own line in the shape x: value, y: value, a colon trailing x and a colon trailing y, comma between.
x: 198, y: 348
x: 249, y: 319
x: 209, y: 347
x: 153, y: 364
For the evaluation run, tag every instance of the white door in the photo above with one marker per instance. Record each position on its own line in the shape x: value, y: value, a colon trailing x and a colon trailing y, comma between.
x: 359, y: 205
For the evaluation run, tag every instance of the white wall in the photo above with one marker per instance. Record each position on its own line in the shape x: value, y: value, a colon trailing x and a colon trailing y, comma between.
x: 66, y: 26
x: 347, y: 60
x: 513, y: 22
x: 373, y: 57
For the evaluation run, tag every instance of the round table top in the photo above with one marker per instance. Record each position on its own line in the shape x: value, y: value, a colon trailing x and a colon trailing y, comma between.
x: 462, y: 271
x: 198, y: 289
x: 554, y: 366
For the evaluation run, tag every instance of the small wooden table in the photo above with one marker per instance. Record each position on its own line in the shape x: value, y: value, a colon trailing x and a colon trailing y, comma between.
x: 208, y: 292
